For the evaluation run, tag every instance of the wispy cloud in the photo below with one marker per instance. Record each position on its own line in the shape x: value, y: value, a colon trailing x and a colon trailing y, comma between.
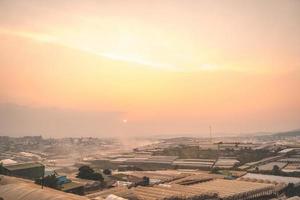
x: 46, y: 38
x: 30, y: 35
x: 135, y: 59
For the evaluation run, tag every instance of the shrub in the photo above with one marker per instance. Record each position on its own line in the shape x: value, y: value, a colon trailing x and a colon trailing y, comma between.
x: 107, y: 171
x: 86, y: 172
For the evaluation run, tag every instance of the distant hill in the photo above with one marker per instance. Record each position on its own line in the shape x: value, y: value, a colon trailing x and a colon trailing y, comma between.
x: 256, y: 134
x: 288, y: 133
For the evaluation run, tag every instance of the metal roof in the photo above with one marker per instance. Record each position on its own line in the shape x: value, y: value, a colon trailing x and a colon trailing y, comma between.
x: 278, y: 179
x: 269, y: 166
x: 12, y: 188
x: 287, y: 150
x: 70, y: 185
x: 19, y: 166
x: 232, y: 188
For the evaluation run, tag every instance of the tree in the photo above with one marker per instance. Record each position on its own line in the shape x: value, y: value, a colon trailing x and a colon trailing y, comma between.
x: 215, y: 170
x: 2, y: 170
x: 276, y: 170
x: 96, y: 177
x: 86, y: 172
x: 107, y: 171
x: 290, y: 190
x: 48, y: 181
x: 146, y: 181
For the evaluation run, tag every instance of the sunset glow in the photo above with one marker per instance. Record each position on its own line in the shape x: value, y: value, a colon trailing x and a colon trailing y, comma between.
x: 169, y: 66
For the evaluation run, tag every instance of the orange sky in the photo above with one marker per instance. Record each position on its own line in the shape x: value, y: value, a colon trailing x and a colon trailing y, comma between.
x: 167, y: 67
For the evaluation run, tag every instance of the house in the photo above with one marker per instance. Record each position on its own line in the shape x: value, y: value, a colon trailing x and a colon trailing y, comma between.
x: 66, y: 185
x: 72, y: 187
x: 31, y: 170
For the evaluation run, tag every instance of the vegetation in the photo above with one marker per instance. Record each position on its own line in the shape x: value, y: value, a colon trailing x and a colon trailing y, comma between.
x: 123, y: 168
x: 107, y: 172
x: 215, y: 170
x: 119, y: 177
x: 181, y: 152
x: 186, y: 152
x: 48, y: 181
x: 291, y: 190
x: 85, y: 172
x: 288, y: 134
x: 194, y: 152
x: 2, y: 170
x: 249, y: 155
x: 145, y: 182
x: 278, y: 172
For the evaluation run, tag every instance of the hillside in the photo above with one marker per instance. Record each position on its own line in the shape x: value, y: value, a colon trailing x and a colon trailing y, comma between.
x: 288, y: 133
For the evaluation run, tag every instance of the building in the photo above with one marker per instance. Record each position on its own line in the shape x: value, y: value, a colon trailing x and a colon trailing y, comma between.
x: 62, y: 180
x: 260, y: 162
x: 194, y: 163
x: 67, y: 185
x: 288, y: 150
x: 155, y: 193
x: 234, y: 189
x: 32, y: 170
x: 226, y: 163
x: 271, y: 178
x: 12, y: 188
x: 214, y: 189
x: 72, y: 187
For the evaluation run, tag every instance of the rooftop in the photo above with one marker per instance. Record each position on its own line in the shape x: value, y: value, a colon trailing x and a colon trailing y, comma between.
x: 230, y: 188
x: 19, y: 166
x: 278, y: 179
x: 70, y: 186
x: 287, y: 150
x: 12, y: 188
x: 269, y: 166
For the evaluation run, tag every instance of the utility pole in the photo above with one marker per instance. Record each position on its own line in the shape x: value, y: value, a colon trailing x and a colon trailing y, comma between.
x: 43, y: 177
x: 210, y: 134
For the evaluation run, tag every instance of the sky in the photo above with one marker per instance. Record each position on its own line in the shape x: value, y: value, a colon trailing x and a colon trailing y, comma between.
x: 142, y: 68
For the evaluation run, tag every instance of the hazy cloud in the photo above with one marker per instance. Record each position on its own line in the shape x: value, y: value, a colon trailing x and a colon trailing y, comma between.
x: 16, y: 120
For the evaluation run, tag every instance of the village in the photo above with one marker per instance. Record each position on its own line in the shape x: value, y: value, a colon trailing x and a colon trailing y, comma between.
x: 262, y: 167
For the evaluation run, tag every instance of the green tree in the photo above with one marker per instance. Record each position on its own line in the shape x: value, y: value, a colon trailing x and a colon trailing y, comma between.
x: 276, y: 170
x: 86, y: 172
x: 215, y: 170
x: 107, y: 172
x: 290, y: 190
x: 48, y: 181
x: 2, y: 170
x: 146, y: 181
